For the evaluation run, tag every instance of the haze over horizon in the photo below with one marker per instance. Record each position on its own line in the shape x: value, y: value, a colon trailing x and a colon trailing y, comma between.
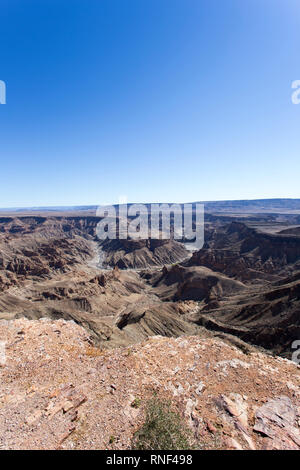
x: 160, y: 101
x: 289, y: 205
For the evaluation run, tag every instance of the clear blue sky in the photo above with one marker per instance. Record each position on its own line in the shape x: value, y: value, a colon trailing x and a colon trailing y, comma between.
x: 159, y: 100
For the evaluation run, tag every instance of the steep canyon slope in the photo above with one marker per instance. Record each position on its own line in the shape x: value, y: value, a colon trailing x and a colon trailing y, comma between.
x: 243, y: 283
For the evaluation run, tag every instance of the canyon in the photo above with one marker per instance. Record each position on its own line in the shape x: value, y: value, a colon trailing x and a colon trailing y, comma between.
x: 238, y: 297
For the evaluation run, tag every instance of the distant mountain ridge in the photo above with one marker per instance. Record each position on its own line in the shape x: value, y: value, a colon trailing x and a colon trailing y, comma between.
x: 243, y: 205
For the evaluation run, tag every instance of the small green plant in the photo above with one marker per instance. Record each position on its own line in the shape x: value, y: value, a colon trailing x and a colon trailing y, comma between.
x: 136, y: 403
x: 163, y: 429
x: 112, y: 439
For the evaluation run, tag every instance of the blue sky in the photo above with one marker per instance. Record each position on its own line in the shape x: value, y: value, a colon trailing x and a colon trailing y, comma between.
x: 158, y: 100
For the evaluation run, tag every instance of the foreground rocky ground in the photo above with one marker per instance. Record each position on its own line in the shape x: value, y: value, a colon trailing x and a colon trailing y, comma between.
x: 59, y: 391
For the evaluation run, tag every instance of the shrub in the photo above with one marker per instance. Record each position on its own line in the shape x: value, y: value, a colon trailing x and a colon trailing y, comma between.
x: 136, y: 403
x: 163, y: 429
